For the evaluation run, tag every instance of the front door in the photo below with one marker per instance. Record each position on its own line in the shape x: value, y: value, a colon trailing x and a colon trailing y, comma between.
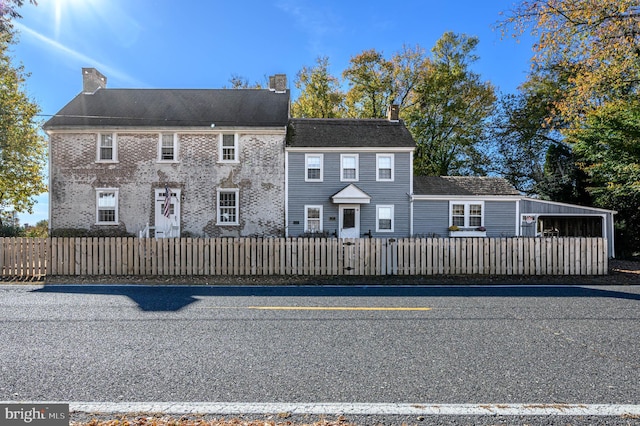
x: 349, y: 221
x: 167, y: 223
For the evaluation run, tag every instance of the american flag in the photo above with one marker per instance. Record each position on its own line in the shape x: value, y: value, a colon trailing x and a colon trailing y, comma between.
x: 166, y: 211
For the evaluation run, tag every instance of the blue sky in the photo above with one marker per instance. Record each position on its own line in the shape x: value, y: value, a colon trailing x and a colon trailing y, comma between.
x: 201, y: 44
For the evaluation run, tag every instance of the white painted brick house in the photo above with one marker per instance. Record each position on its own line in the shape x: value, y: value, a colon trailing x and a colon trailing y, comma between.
x: 114, y: 152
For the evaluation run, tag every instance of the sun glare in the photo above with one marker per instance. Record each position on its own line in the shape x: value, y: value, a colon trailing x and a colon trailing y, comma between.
x: 64, y: 9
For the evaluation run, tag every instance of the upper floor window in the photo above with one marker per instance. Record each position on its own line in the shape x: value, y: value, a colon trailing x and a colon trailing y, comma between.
x: 228, y: 148
x: 107, y: 148
x: 313, y: 167
x: 313, y: 219
x: 168, y: 147
x: 107, y: 206
x: 348, y: 167
x: 384, y: 167
x: 384, y: 219
x: 467, y: 214
x: 228, y: 207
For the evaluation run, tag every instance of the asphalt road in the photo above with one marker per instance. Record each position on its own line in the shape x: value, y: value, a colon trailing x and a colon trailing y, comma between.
x: 436, y: 345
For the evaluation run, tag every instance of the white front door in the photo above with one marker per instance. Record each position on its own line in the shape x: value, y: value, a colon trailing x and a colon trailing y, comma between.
x: 167, y: 220
x: 349, y: 221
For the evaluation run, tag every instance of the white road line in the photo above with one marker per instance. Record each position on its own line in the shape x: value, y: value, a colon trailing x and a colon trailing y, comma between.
x: 534, y: 409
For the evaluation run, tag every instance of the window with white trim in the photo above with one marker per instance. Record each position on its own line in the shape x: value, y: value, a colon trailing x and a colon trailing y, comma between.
x: 227, y: 202
x: 348, y: 167
x: 168, y: 147
x: 467, y: 214
x: 384, y: 218
x: 384, y: 167
x: 313, y: 167
x: 107, y: 147
x: 106, y: 206
x: 312, y: 218
x: 228, y: 152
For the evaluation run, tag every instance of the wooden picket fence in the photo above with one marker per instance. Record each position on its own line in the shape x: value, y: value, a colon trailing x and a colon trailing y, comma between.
x: 34, y: 257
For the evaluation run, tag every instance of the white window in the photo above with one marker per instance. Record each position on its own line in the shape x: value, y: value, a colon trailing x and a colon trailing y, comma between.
x: 227, y: 206
x: 313, y: 167
x: 312, y: 218
x: 384, y: 218
x: 467, y: 214
x: 168, y: 147
x: 348, y: 167
x: 107, y: 206
x: 228, y: 152
x: 384, y: 166
x: 107, y: 147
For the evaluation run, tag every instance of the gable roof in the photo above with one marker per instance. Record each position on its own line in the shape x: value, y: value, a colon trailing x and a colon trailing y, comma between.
x: 351, y: 194
x: 462, y: 185
x: 348, y: 133
x: 174, y: 108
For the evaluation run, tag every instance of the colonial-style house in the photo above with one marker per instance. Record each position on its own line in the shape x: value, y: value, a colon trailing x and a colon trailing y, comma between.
x: 349, y: 178
x: 231, y: 162
x: 464, y: 206
x: 169, y: 161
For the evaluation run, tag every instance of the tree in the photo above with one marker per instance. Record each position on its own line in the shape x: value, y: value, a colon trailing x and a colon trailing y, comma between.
x: 592, y: 47
x: 523, y: 131
x: 240, y: 82
x: 607, y: 149
x: 452, y: 107
x: 562, y: 180
x: 409, y: 68
x: 596, y: 42
x: 22, y: 148
x: 371, y: 91
x: 39, y: 230
x: 9, y: 11
x: 320, y: 94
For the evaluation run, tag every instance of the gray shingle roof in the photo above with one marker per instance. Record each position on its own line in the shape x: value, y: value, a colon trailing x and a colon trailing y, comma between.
x: 462, y: 185
x: 340, y: 133
x: 174, y: 108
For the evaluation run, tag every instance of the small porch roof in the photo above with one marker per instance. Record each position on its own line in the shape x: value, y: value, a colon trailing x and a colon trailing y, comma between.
x: 351, y: 194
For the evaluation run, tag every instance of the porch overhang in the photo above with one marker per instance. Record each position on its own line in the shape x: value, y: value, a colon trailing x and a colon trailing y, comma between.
x: 350, y: 194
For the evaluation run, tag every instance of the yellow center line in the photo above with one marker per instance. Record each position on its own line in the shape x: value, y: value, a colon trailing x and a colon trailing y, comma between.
x: 336, y: 308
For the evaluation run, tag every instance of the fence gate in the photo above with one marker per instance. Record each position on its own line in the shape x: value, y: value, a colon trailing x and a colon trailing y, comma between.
x: 349, y: 255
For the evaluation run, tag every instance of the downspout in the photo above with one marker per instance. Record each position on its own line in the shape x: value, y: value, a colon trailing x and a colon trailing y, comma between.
x: 518, y: 219
x: 410, y: 215
x: 286, y: 192
x: 49, y: 179
x: 411, y: 194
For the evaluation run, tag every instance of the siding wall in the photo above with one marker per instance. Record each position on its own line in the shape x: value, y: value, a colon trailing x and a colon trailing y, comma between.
x: 500, y: 218
x: 259, y: 176
x: 431, y: 218
x: 303, y: 193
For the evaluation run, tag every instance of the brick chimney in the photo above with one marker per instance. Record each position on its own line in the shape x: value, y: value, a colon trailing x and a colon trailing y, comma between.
x: 92, y: 80
x: 393, y: 112
x: 278, y: 83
